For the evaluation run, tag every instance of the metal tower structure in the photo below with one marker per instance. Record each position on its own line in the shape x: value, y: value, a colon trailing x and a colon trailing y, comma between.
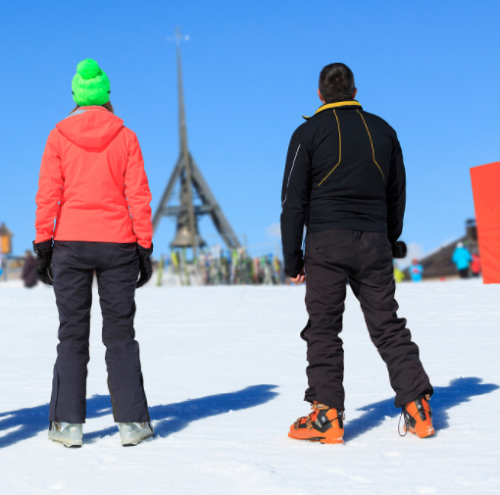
x: 187, y: 172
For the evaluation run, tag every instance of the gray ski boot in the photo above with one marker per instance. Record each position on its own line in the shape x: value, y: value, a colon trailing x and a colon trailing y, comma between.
x: 133, y: 433
x: 70, y: 435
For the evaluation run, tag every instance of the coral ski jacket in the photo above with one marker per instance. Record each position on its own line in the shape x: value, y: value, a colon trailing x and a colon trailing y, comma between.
x: 92, y: 182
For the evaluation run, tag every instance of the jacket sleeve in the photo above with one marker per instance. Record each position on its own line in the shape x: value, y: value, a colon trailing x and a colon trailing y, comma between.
x: 138, y: 194
x: 50, y: 184
x: 295, y: 194
x: 396, y: 193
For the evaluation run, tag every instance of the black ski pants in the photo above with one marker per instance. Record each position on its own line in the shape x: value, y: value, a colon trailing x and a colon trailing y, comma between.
x: 364, y: 260
x: 464, y: 273
x: 117, y: 268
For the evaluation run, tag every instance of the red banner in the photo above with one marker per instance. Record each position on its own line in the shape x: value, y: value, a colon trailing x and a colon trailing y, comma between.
x: 486, y: 190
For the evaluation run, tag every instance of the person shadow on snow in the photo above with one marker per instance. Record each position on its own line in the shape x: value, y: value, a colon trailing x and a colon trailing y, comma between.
x: 171, y: 418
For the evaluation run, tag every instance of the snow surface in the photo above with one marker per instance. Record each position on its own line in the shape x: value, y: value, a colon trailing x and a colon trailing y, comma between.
x: 224, y: 376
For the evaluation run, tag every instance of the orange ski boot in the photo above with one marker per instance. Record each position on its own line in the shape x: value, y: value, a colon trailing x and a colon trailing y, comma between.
x: 323, y: 425
x: 418, y: 417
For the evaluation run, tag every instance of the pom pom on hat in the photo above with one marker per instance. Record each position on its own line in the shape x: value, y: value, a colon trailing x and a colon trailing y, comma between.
x: 88, y: 68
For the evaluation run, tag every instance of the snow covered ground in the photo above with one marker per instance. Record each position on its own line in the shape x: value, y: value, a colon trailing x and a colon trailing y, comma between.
x: 224, y: 376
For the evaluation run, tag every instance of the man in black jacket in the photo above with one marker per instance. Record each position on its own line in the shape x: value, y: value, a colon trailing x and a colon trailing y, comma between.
x: 345, y: 182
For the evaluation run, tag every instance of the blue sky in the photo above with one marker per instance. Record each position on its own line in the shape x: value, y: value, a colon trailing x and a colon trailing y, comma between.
x: 250, y: 71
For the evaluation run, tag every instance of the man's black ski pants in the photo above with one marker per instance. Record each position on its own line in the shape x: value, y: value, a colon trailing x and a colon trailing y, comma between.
x: 364, y: 259
x: 117, y: 269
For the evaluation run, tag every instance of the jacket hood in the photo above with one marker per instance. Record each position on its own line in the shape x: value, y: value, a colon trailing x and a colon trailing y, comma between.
x: 90, y: 127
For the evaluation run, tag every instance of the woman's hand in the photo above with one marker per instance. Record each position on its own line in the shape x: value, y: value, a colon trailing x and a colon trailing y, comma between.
x: 145, y: 268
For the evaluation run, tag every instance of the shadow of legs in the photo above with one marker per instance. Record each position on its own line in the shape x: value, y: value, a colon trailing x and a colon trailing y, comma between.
x: 30, y: 421
x: 175, y: 417
x: 458, y: 391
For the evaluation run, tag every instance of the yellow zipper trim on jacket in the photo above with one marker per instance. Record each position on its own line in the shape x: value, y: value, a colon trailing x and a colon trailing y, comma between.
x: 340, y: 150
x: 371, y: 144
x: 327, y: 106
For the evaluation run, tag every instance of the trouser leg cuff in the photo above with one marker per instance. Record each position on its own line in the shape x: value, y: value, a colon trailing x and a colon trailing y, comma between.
x: 405, y: 398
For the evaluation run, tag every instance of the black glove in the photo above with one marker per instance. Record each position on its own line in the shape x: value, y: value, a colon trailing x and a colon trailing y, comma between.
x: 145, y: 268
x: 43, y: 264
x: 399, y: 249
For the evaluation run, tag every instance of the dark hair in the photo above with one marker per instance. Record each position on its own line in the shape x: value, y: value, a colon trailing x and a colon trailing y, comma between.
x: 107, y: 106
x: 336, y: 82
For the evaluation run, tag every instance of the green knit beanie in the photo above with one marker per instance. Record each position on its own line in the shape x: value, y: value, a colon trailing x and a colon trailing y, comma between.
x: 90, y: 85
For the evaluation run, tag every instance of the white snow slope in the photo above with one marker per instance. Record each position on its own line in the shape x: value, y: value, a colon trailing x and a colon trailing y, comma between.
x: 224, y: 376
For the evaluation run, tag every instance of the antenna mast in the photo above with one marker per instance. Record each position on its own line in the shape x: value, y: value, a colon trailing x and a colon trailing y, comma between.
x: 190, y: 176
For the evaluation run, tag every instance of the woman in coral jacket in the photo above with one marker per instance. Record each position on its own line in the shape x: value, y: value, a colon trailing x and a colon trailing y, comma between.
x: 93, y: 184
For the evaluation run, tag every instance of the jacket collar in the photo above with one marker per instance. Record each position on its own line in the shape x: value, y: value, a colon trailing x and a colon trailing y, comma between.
x: 338, y: 104
x: 90, y: 108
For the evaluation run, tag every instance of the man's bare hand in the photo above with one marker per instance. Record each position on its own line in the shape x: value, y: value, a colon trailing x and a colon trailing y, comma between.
x: 299, y: 279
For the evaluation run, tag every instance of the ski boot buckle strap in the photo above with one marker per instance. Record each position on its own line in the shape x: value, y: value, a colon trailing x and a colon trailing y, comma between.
x: 316, y: 407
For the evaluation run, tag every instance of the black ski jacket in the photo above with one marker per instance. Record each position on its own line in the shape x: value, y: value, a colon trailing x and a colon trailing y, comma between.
x: 344, y: 170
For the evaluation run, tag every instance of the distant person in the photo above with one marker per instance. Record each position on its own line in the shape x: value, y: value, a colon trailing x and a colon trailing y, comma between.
x: 462, y: 259
x: 475, y: 265
x: 399, y: 276
x: 29, y: 271
x: 92, y: 182
x: 3, y: 267
x: 345, y: 181
x: 416, y: 271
